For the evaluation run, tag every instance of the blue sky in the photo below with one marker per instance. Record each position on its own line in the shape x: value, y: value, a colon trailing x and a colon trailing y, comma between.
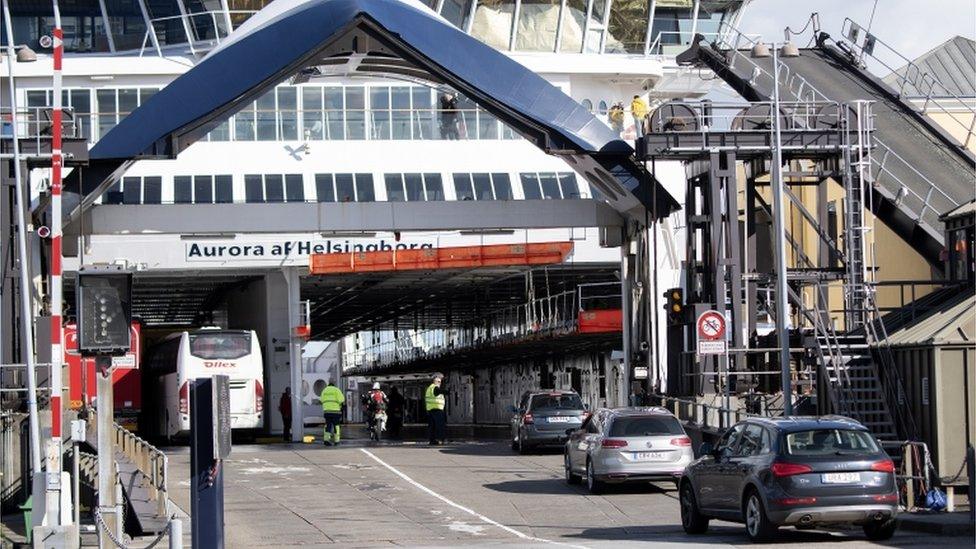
x: 911, y: 26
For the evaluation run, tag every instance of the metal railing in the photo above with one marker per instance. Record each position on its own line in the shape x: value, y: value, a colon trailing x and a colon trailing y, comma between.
x: 704, y: 415
x: 201, y: 30
x: 910, y: 74
x: 36, y: 124
x: 151, y: 462
x: 558, y: 313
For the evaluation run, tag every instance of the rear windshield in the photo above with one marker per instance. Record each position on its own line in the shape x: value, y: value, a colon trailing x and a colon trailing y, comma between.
x: 220, y: 345
x: 558, y: 401
x: 828, y: 442
x: 646, y: 426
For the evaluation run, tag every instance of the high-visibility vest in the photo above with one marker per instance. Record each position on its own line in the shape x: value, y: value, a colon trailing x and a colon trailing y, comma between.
x: 332, y: 399
x: 432, y: 401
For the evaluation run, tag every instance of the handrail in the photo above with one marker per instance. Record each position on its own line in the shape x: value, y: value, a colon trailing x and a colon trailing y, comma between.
x: 701, y: 413
x: 912, y: 75
x: 189, y: 27
x: 149, y: 460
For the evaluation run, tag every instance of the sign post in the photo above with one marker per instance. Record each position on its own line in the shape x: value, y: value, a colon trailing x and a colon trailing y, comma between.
x: 711, y: 330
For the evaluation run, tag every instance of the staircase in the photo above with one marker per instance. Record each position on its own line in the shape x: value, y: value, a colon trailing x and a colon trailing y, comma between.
x: 853, y: 385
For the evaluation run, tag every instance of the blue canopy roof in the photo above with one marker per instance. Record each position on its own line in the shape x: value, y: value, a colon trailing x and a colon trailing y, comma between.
x: 295, y: 35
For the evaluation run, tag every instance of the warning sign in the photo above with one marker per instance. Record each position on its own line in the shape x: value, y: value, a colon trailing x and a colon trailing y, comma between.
x: 711, y: 333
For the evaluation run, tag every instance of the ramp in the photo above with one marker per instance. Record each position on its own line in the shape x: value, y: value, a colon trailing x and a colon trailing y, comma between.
x: 920, y: 172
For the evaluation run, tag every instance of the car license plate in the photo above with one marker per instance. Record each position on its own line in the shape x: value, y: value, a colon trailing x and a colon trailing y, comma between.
x: 559, y: 419
x: 650, y: 456
x: 841, y: 478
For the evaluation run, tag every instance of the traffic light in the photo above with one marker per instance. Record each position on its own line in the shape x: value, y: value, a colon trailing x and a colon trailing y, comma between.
x: 103, y: 300
x: 674, y: 305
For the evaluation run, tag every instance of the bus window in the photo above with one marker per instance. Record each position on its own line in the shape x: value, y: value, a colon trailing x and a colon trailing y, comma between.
x: 220, y: 345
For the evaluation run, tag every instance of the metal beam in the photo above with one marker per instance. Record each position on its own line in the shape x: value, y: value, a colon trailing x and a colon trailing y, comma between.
x: 224, y: 219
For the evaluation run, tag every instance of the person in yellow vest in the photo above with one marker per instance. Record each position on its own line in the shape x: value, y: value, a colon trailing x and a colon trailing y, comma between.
x: 332, y: 401
x: 638, y: 109
x: 434, y: 401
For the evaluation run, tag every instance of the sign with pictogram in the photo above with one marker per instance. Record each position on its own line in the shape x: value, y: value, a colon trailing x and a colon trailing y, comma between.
x: 711, y: 333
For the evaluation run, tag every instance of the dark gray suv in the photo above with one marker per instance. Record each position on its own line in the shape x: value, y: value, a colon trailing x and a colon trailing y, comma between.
x: 542, y: 418
x: 800, y: 471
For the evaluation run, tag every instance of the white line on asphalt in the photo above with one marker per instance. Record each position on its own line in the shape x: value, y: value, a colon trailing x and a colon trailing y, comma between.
x: 463, y: 508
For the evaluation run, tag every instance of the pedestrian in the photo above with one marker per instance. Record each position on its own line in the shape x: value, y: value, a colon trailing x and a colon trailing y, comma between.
x: 638, y: 109
x: 284, y: 406
x: 449, y: 106
x: 434, y: 401
x: 616, y: 116
x: 396, y: 413
x: 332, y: 401
x: 637, y: 396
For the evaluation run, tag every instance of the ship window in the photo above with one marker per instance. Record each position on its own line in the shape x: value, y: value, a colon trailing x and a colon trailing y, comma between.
x: 183, y: 189
x: 152, y: 190
x: 131, y: 190
x: 530, y: 186
x: 434, y: 186
x: 287, y: 113
x: 502, y: 185
x: 355, y: 112
x: 379, y: 105
x: 482, y: 186
x: 587, y: 104
x: 536, y: 30
x: 456, y: 12
x: 394, y: 187
x: 203, y: 189
x: 462, y: 186
x: 244, y: 124
x: 400, y: 112
x: 313, y: 121
x: 294, y: 187
x: 274, y: 190
x: 345, y: 191
x: 224, y: 189
x: 266, y: 117
x: 571, y: 30
x: 324, y: 189
x: 364, y: 187
x: 567, y: 184
x: 334, y: 113
x: 414, y: 184
x: 423, y: 113
x: 253, y: 188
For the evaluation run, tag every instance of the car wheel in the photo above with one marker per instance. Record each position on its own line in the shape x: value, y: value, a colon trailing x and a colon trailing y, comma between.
x: 592, y: 483
x: 880, y: 531
x: 571, y: 477
x: 691, y: 518
x: 758, y: 526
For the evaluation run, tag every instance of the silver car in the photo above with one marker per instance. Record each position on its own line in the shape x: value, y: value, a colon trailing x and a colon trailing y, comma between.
x: 627, y: 444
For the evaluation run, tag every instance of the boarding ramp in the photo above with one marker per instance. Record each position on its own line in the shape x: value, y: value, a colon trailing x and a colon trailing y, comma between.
x: 920, y: 171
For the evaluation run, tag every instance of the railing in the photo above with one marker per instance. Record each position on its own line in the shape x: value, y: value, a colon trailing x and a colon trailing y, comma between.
x: 151, y: 462
x: 709, y: 116
x: 704, y: 415
x: 909, y: 302
x: 37, y: 124
x: 206, y: 27
x: 910, y: 74
x: 543, y: 316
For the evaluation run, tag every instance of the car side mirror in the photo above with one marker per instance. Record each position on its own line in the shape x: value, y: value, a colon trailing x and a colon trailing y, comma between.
x: 706, y: 449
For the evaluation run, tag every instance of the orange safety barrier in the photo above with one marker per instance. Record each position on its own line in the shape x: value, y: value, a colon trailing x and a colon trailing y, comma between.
x: 460, y: 257
x: 595, y: 322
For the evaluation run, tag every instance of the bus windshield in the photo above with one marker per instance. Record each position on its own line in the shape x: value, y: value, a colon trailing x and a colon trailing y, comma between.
x: 216, y: 345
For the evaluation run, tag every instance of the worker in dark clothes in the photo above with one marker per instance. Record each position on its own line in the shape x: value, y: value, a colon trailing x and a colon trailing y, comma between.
x: 284, y: 406
x: 395, y: 412
x: 434, y: 401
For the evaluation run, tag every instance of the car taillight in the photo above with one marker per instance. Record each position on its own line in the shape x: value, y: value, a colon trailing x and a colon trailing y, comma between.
x: 781, y: 469
x: 886, y: 498
x: 185, y: 398
x: 883, y: 466
x: 527, y: 419
x: 681, y: 441
x: 258, y: 397
x: 613, y: 443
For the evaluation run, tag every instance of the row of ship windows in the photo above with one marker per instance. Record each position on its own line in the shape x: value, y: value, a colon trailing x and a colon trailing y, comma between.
x: 343, y: 187
x: 306, y: 112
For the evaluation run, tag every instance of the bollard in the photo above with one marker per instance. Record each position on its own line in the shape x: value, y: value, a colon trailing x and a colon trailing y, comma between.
x: 175, y: 533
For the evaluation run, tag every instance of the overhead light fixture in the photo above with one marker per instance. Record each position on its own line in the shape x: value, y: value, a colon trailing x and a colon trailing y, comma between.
x: 347, y: 234
x: 208, y: 236
x: 760, y: 50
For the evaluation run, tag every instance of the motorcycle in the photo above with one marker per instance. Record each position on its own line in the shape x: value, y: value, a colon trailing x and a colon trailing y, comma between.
x: 378, y: 425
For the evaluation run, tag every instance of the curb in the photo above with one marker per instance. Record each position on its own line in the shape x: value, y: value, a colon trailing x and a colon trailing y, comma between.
x: 936, y: 524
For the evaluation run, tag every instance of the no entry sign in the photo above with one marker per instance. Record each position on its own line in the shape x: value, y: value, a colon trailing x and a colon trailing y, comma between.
x: 711, y: 333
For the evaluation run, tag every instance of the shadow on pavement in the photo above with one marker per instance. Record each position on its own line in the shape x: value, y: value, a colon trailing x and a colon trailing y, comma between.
x: 558, y: 486
x: 673, y: 533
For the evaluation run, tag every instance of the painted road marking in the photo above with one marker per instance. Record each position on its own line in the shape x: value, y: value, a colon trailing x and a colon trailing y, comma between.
x: 471, y: 512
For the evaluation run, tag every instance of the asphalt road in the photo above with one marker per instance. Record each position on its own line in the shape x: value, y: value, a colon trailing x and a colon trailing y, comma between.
x: 361, y: 495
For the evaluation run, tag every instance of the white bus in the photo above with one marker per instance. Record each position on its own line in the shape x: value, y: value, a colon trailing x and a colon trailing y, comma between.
x: 185, y: 356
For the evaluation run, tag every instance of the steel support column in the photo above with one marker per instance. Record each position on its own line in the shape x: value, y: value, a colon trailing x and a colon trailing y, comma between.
x: 294, y: 284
